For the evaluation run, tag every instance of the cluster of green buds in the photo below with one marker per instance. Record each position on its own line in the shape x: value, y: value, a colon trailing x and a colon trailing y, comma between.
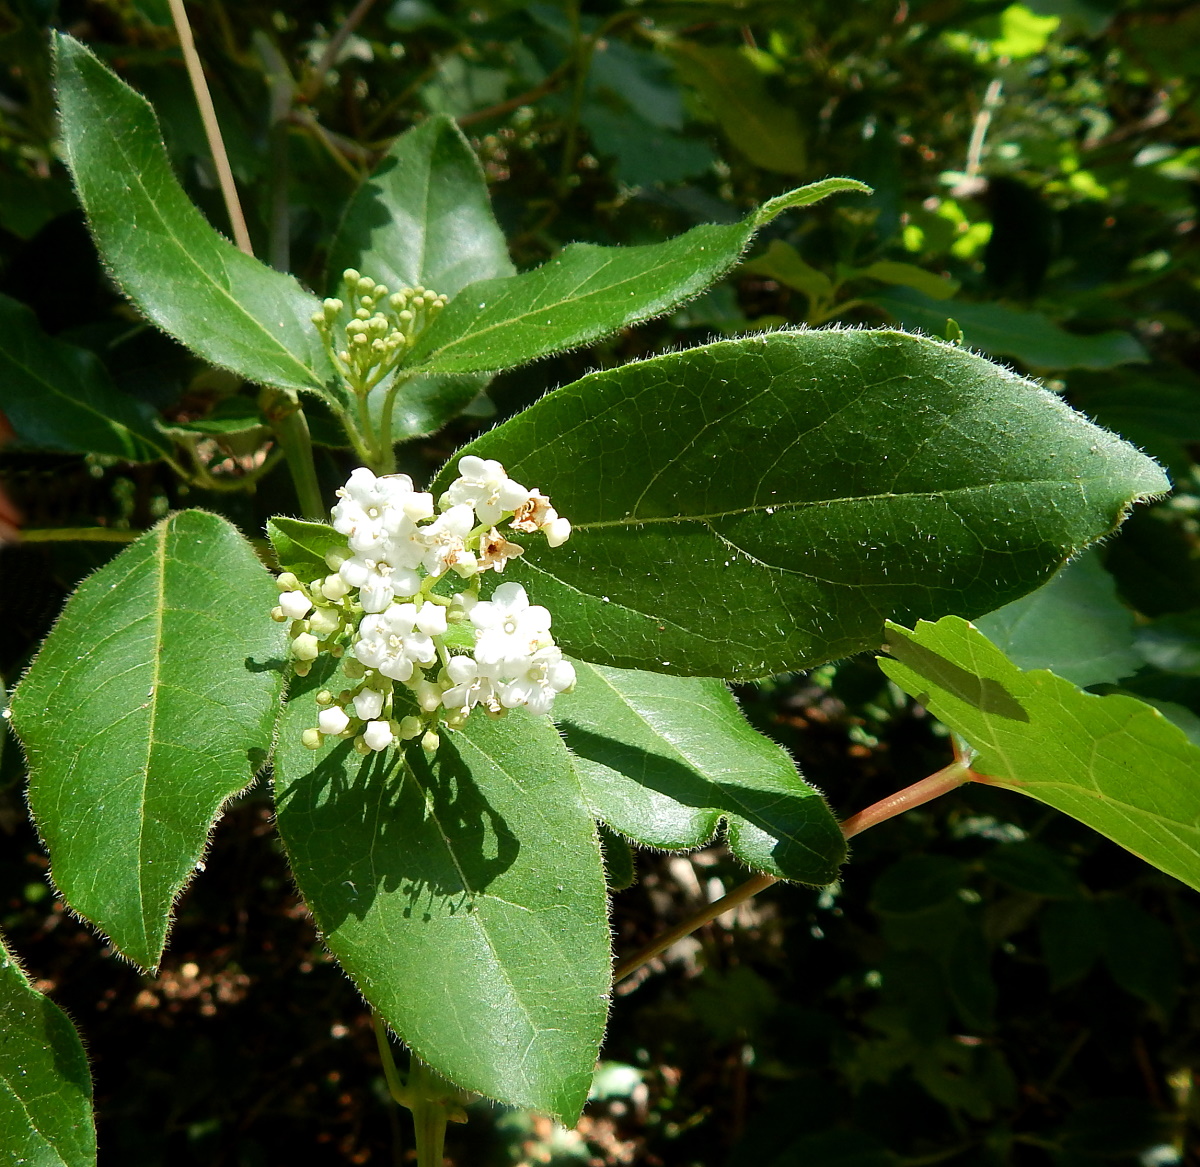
x: 383, y: 326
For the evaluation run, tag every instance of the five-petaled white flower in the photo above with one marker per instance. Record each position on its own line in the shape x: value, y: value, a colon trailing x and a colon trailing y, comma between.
x: 484, y: 485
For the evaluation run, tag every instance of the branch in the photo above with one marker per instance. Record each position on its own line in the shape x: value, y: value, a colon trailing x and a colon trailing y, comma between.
x: 212, y: 129
x: 948, y: 778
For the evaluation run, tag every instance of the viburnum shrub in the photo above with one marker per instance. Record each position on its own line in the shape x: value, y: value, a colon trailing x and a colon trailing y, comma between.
x: 478, y: 673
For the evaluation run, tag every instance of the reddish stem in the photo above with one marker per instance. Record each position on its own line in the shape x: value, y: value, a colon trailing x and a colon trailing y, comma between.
x: 948, y: 778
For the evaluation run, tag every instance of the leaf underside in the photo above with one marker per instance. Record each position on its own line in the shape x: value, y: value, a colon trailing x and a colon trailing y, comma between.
x: 663, y: 759
x: 1113, y: 762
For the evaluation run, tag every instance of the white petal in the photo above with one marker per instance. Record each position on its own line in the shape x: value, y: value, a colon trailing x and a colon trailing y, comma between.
x: 473, y: 466
x: 398, y: 668
x: 558, y: 531
x: 511, y: 597
x: 376, y: 594
x: 431, y: 619
x: 462, y: 670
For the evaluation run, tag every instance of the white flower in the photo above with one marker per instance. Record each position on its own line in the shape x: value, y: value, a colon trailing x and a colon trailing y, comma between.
x: 444, y: 544
x: 333, y: 587
x: 509, y: 629
x: 332, y: 720
x: 378, y: 581
x: 368, y: 704
x: 295, y: 605
x: 472, y: 685
x: 391, y: 642
x: 373, y: 509
x: 542, y: 677
x: 484, y: 485
x: 378, y: 735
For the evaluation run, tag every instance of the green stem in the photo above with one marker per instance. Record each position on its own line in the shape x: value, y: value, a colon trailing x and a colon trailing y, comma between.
x: 78, y: 535
x: 429, y: 1116
x: 395, y: 1084
x: 291, y: 431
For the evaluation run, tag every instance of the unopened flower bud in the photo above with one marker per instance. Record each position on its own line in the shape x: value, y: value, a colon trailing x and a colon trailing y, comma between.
x: 305, y: 647
x: 430, y: 742
x: 365, y: 286
x: 312, y: 739
x: 410, y: 727
x: 336, y: 557
x: 361, y: 746
x: 302, y: 668
x: 287, y: 582
x: 557, y: 531
x: 378, y: 735
x: 333, y: 587
x: 354, y: 669
x: 324, y: 697
x: 368, y: 704
x: 351, y: 276
x: 429, y: 695
x: 324, y: 621
x: 278, y: 616
x: 295, y: 605
x: 333, y: 720
x: 331, y: 308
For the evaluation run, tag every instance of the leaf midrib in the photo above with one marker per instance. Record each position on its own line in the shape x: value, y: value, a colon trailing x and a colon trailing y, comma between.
x: 645, y: 521
x: 515, y: 321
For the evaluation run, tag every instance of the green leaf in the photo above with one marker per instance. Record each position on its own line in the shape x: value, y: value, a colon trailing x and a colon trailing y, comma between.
x: 1141, y: 953
x: 1074, y: 625
x: 60, y: 397
x: 1072, y: 940
x: 1028, y: 866
x: 464, y: 894
x: 782, y: 262
x: 760, y: 505
x: 149, y: 706
x: 909, y: 275
x: 1032, y: 337
x: 45, y: 1088
x: 1112, y: 762
x: 663, y: 759
x: 189, y: 280
x: 423, y: 217
x: 588, y: 291
x: 766, y: 130
x: 301, y: 546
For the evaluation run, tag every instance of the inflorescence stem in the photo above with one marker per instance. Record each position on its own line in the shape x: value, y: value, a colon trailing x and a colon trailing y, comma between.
x: 948, y: 778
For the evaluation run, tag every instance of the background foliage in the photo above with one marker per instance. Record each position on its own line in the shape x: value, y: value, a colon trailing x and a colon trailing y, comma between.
x: 993, y: 983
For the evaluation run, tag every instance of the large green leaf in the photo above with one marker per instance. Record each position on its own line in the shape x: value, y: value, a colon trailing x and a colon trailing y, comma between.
x: 45, y: 1088
x: 149, y: 706
x: 193, y: 283
x: 1074, y: 625
x: 588, y: 291
x: 763, y: 504
x: 60, y: 397
x: 1031, y: 337
x: 464, y: 896
x: 662, y: 759
x: 1112, y: 762
x: 423, y: 217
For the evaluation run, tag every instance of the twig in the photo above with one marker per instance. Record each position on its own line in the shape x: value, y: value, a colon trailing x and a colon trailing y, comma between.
x: 983, y: 119
x: 552, y: 81
x: 948, y: 778
x: 212, y: 129
x: 312, y: 86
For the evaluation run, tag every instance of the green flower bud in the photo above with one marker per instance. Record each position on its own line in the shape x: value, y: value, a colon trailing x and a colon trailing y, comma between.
x: 354, y: 669
x: 351, y: 276
x: 409, y: 728
x: 287, y: 582
x: 313, y: 739
x: 430, y: 742
x: 324, y: 697
x: 305, y: 647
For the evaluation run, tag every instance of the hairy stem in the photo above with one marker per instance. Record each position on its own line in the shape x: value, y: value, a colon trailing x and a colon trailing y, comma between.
x: 948, y: 778
x: 291, y: 431
x: 212, y: 129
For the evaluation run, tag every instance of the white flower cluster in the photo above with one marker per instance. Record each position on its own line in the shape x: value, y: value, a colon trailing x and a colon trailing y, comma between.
x: 380, y: 605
